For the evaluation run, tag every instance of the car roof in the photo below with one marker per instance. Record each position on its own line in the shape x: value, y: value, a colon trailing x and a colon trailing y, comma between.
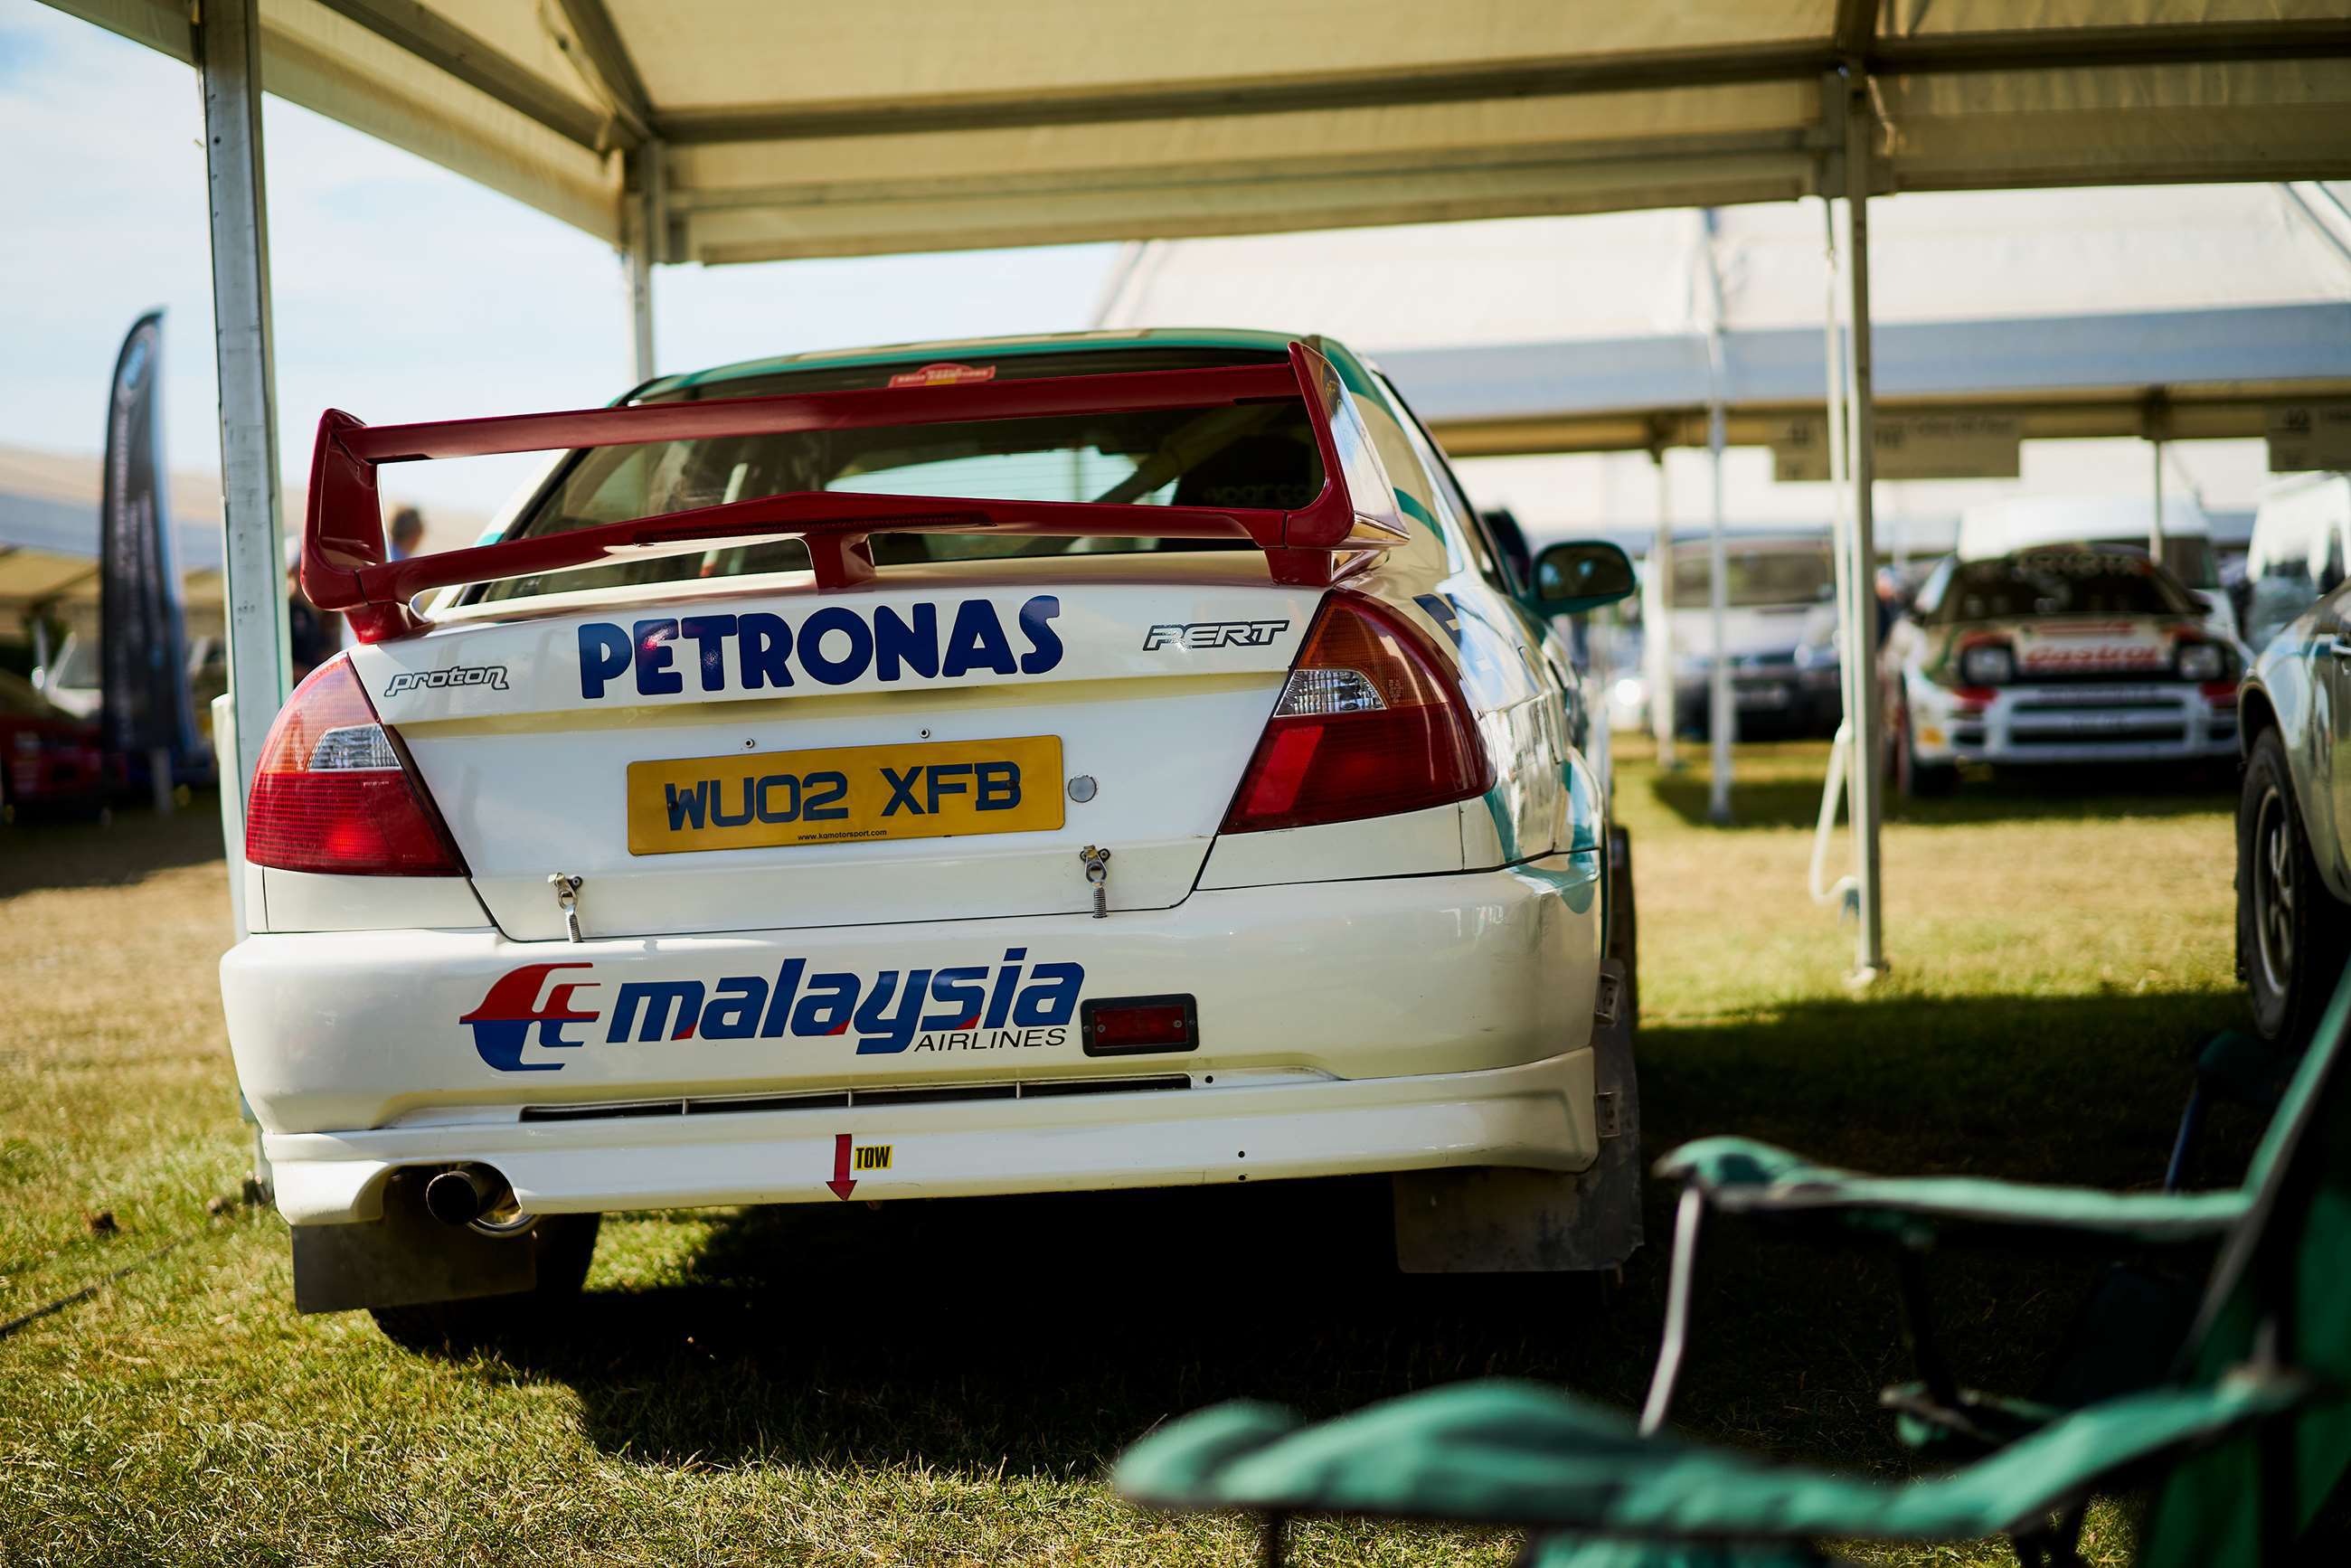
x: 990, y: 347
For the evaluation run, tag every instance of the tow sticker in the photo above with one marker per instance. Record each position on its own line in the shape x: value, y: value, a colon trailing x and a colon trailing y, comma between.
x: 848, y: 1155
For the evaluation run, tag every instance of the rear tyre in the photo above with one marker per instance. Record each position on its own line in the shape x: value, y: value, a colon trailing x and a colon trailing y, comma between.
x: 1920, y: 780
x: 2292, y: 934
x: 565, y: 1244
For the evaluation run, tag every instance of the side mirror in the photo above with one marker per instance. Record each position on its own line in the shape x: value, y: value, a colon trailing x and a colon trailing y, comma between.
x: 1581, y: 575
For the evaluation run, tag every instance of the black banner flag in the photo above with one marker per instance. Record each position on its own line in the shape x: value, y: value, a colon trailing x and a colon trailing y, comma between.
x: 142, y: 645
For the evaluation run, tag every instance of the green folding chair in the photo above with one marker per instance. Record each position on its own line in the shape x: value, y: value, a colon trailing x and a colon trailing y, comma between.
x: 2244, y: 1436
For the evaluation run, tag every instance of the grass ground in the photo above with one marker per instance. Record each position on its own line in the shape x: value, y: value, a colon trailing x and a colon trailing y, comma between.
x: 936, y: 1384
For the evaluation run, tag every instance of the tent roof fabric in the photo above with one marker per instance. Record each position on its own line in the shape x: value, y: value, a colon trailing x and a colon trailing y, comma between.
x: 756, y: 132
x: 2077, y: 309
x: 48, y: 532
x: 2204, y: 374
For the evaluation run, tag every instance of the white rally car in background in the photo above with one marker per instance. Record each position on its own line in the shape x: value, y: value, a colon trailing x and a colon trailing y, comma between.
x: 999, y: 767
x: 2072, y: 653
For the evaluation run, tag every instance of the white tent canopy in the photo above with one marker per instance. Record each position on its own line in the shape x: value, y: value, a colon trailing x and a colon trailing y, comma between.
x: 753, y: 131
x: 2084, y: 312
x: 49, y: 536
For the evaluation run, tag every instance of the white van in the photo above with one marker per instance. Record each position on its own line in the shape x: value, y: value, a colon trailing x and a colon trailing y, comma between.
x: 1993, y: 529
x: 2302, y: 536
x: 1778, y: 629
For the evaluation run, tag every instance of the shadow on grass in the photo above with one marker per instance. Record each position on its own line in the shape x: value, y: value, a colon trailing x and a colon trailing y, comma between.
x: 1043, y: 1334
x: 2003, y: 795
x: 43, y: 850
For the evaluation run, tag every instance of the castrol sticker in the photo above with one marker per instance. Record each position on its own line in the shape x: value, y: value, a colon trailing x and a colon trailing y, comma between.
x: 944, y: 375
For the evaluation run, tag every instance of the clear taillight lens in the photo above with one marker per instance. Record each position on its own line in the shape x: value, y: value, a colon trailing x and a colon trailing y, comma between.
x: 1370, y: 722
x: 333, y: 794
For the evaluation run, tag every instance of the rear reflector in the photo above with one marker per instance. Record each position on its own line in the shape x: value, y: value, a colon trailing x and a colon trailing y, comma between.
x: 333, y: 793
x: 1125, y: 1026
x: 1371, y: 722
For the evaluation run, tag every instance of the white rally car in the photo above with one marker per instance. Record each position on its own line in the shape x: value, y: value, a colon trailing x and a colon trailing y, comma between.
x: 1019, y: 767
x: 2072, y: 654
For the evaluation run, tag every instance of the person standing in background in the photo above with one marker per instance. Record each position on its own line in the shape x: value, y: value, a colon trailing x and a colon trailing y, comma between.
x: 407, y: 537
x: 312, y: 634
x: 407, y: 533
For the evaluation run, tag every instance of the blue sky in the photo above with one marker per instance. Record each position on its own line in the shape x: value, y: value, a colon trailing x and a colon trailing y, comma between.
x: 403, y: 292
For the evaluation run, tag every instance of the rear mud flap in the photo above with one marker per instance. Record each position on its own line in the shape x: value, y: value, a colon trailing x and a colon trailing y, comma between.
x: 405, y: 1259
x: 1492, y: 1219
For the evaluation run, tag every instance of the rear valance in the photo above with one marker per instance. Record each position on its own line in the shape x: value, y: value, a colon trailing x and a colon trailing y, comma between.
x: 344, y: 564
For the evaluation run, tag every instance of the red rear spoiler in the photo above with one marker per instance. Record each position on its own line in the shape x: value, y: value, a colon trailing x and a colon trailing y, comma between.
x: 343, y: 555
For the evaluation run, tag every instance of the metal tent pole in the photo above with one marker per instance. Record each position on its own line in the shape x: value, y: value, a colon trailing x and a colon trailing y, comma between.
x: 640, y: 315
x: 1861, y: 632
x: 645, y: 250
x: 1840, y: 768
x: 228, y: 40
x: 1660, y: 621
x: 1721, y: 716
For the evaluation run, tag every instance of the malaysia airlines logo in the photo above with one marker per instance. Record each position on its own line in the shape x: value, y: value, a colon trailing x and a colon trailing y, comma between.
x: 962, y: 1007
x: 502, y: 1024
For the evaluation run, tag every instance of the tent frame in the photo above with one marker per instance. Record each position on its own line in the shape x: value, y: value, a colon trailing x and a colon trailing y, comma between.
x: 228, y: 42
x: 1855, y: 51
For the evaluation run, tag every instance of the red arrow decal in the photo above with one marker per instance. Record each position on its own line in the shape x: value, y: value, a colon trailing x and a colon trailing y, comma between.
x: 840, y: 1184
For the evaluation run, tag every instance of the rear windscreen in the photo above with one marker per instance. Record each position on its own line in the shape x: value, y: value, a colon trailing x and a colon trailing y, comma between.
x: 1756, y: 578
x: 1250, y: 455
x: 2061, y: 583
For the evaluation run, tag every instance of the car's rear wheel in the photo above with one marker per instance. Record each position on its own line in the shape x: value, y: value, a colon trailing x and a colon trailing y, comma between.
x: 2290, y: 933
x: 565, y: 1244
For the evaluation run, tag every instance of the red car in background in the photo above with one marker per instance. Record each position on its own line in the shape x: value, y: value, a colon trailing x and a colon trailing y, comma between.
x: 47, y: 757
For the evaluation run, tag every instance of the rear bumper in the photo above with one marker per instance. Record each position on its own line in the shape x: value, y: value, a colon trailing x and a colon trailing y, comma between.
x: 49, y: 777
x: 1391, y: 1024
x: 1539, y: 1115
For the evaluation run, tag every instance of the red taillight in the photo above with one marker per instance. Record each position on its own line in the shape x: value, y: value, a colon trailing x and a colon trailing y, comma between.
x: 333, y: 793
x: 1370, y: 722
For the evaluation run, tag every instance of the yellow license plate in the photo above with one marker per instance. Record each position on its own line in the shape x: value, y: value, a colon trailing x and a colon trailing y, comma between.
x: 845, y: 794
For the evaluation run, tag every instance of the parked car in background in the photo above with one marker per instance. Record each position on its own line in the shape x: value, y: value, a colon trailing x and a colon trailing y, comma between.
x: 2294, y: 862
x: 1779, y: 632
x: 2066, y: 655
x: 1996, y: 528
x: 48, y: 757
x: 71, y: 679
x: 2302, y: 538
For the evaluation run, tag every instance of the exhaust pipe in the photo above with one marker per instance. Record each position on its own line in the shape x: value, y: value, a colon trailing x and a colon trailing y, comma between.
x: 464, y: 1194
